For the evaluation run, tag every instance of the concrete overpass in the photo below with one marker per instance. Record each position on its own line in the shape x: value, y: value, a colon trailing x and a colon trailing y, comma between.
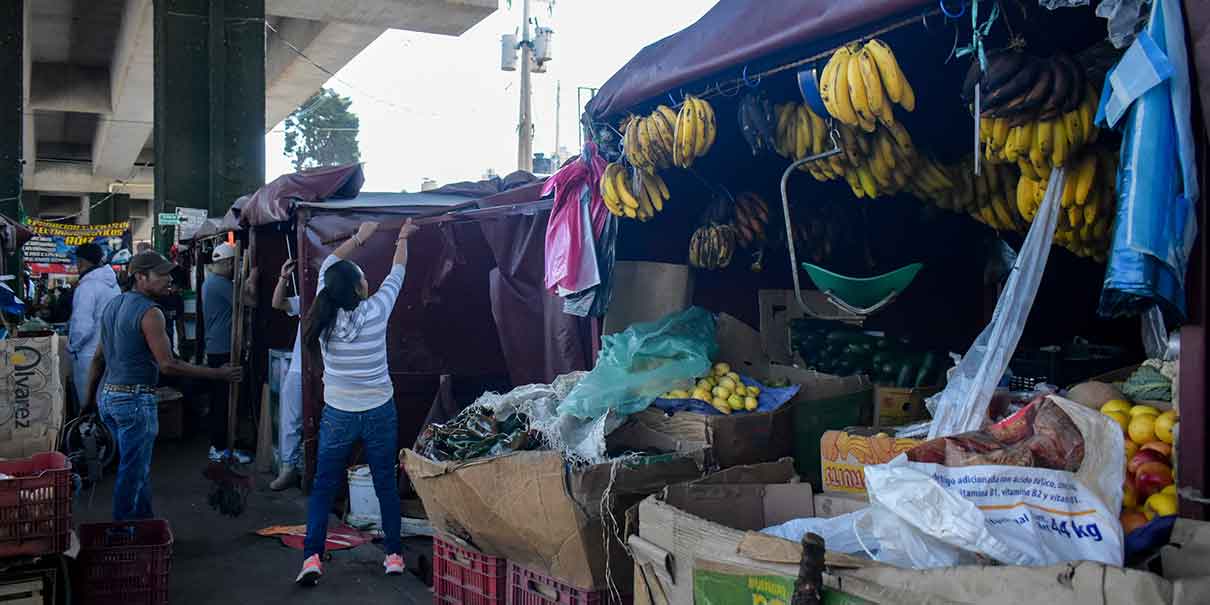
x: 88, y: 85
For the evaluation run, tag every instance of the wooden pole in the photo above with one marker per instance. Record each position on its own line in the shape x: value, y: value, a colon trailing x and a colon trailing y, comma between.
x: 808, y: 588
x: 264, y: 440
x: 237, y: 337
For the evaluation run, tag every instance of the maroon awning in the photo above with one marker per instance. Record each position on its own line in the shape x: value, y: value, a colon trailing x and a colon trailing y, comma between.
x: 273, y: 202
x: 730, y: 35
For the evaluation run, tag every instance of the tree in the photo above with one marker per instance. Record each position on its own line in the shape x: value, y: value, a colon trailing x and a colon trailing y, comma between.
x: 323, y: 132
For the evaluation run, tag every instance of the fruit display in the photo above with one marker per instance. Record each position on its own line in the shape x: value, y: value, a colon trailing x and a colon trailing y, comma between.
x: 1037, y: 113
x: 988, y: 197
x: 712, y: 246
x: 859, y: 84
x: 1150, y: 436
x: 648, y: 141
x: 1088, y: 205
x: 758, y: 122
x: 846, y: 351
x: 723, y: 389
x: 632, y: 193
x: 751, y: 219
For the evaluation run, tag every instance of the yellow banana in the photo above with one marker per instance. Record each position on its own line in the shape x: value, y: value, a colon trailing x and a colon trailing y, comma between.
x: 1000, y: 133
x: 883, y: 143
x: 659, y: 182
x: 1090, y: 213
x: 868, y: 184
x: 1085, y: 172
x: 702, y: 135
x: 608, y: 194
x: 1069, y: 191
x: 908, y: 101
x: 1060, y: 145
x: 845, y: 112
x: 802, y: 132
x: 819, y: 133
x: 1025, y: 198
x: 888, y: 69
x: 653, y: 192
x: 827, y: 87
x: 872, y: 84
x: 621, y: 184
x: 649, y: 197
x: 1075, y: 216
x: 854, y: 183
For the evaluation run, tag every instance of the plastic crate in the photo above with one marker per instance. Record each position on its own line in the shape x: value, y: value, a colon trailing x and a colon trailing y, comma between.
x: 124, y: 563
x: 466, y: 577
x: 529, y: 587
x: 35, y: 505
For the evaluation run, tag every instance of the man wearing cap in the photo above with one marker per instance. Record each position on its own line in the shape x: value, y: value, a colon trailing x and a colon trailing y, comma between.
x: 97, y: 286
x: 217, y: 294
x: 133, y: 350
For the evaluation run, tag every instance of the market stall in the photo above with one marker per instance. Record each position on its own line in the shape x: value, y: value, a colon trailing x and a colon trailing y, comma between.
x: 880, y: 188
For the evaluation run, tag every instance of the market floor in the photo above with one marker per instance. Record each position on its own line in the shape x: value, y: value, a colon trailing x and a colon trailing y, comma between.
x: 220, y: 560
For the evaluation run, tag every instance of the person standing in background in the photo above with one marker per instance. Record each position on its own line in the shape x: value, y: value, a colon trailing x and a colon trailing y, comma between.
x: 173, y: 306
x: 290, y: 407
x: 217, y: 295
x: 97, y: 286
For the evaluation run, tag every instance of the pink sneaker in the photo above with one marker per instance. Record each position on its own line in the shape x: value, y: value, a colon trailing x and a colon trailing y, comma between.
x: 312, y: 569
x: 393, y: 565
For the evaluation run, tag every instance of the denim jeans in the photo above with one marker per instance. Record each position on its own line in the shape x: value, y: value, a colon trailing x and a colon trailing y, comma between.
x: 134, y: 422
x: 378, y: 429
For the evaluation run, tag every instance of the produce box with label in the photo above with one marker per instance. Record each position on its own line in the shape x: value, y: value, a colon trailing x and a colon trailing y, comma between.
x: 32, y: 395
x: 844, y: 455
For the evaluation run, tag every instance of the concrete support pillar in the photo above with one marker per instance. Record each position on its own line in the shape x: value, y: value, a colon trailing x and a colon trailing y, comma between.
x: 209, y: 102
x: 12, y: 100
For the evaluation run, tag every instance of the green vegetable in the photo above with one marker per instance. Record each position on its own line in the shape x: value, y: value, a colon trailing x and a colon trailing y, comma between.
x: 1148, y: 383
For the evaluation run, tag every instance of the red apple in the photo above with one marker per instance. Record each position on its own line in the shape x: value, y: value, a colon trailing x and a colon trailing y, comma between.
x: 1143, y: 457
x: 1160, y: 447
x: 1151, y: 477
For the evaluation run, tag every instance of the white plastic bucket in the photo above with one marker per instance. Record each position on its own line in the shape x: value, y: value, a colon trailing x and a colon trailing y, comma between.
x: 364, y: 512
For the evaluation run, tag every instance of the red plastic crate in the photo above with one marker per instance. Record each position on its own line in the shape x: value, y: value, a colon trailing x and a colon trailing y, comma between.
x: 529, y: 587
x: 35, y: 505
x: 124, y: 563
x: 463, y: 576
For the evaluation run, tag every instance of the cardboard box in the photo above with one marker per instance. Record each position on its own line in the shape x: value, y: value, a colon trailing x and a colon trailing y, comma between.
x: 844, y: 455
x: 779, y: 307
x: 894, y: 406
x: 690, y: 550
x: 645, y: 291
x: 32, y: 395
x: 834, y: 505
x: 532, y: 508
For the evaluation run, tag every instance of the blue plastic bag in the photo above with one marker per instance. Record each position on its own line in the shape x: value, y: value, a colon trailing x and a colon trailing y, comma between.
x: 643, y: 361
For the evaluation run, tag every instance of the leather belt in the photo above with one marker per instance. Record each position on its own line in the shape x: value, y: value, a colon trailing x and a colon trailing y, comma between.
x: 132, y: 389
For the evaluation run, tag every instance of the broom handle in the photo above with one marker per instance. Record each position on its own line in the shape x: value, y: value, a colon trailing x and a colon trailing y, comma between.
x: 237, y: 333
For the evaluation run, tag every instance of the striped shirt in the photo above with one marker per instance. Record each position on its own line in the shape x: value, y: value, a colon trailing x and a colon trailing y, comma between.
x: 355, y: 348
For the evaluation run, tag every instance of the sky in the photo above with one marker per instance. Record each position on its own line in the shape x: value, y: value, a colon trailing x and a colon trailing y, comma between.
x: 440, y: 107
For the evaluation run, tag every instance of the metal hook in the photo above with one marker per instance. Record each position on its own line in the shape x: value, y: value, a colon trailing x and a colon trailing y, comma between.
x: 748, y: 83
x: 950, y: 15
x: 734, y: 91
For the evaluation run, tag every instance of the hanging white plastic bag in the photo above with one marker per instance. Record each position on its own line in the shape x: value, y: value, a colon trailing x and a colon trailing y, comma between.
x: 962, y: 406
x: 1013, y: 514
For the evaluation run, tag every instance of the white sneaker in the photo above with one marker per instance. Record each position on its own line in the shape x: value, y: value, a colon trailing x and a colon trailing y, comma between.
x: 393, y: 564
x: 217, y: 455
x: 312, y: 570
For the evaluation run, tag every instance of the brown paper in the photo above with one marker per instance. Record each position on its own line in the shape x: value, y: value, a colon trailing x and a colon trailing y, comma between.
x: 32, y: 391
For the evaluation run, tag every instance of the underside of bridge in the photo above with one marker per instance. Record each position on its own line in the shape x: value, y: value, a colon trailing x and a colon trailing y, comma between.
x: 129, y: 107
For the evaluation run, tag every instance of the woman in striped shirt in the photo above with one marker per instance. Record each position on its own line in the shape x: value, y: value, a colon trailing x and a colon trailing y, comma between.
x: 349, y: 329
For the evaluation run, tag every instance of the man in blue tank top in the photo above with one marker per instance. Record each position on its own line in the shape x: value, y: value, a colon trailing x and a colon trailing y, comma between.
x: 134, y: 349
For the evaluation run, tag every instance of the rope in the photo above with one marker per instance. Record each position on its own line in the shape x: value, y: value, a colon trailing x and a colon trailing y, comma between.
x: 607, y: 519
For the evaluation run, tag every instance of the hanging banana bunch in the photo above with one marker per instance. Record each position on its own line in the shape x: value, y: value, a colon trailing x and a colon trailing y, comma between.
x: 860, y: 84
x: 632, y: 193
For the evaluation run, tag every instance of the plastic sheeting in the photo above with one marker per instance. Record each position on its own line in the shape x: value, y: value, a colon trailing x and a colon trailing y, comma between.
x: 1157, y: 184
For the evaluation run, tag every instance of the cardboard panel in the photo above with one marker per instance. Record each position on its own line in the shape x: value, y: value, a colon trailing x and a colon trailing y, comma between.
x: 32, y: 394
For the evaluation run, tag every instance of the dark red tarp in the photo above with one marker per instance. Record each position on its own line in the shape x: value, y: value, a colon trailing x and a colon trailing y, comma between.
x: 730, y: 35
x: 274, y: 202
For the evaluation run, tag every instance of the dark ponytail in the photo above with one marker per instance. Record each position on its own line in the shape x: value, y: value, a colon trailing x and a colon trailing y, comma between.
x: 341, y: 281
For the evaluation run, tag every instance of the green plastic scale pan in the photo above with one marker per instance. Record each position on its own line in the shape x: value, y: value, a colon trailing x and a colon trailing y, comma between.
x: 862, y: 295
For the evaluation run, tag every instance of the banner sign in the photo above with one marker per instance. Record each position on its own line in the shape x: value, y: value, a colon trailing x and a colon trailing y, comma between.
x: 52, y: 250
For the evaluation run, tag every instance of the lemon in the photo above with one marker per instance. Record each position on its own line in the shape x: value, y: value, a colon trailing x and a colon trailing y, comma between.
x: 750, y: 403
x: 728, y: 383
x: 1121, y: 418
x: 721, y: 391
x: 1164, y: 424
x: 721, y: 368
x: 1143, y: 409
x: 1116, y: 405
x: 680, y: 394
x: 1163, y: 504
x: 720, y: 402
x: 1141, y: 428
x: 734, y: 377
x: 702, y: 395
x: 736, y: 402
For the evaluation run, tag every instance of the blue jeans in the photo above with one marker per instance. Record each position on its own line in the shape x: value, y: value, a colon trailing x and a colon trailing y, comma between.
x: 338, y: 430
x: 134, y: 422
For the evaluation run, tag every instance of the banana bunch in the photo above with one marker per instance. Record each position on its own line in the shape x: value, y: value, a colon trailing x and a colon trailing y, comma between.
x: 860, y: 83
x: 1037, y: 113
x: 800, y: 132
x: 694, y: 131
x: 751, y: 219
x: 649, y: 141
x: 758, y: 122
x: 1088, y: 205
x: 988, y: 197
x: 813, y: 238
x: 633, y: 194
x: 712, y: 246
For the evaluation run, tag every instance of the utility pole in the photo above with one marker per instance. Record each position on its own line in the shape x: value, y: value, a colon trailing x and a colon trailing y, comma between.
x: 525, y: 130
x: 558, y: 108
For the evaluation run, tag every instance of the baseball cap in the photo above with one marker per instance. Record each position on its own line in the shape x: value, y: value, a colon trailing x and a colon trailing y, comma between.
x: 222, y: 251
x: 150, y: 262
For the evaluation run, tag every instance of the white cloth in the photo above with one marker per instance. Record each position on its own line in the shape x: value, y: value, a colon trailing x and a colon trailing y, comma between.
x: 80, y: 365
x: 289, y: 413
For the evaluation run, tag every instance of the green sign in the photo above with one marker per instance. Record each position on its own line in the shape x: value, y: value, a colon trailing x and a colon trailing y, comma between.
x: 737, y: 588
x: 169, y: 218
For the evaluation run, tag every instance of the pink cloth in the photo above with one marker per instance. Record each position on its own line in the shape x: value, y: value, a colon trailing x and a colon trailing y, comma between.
x: 565, y: 236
